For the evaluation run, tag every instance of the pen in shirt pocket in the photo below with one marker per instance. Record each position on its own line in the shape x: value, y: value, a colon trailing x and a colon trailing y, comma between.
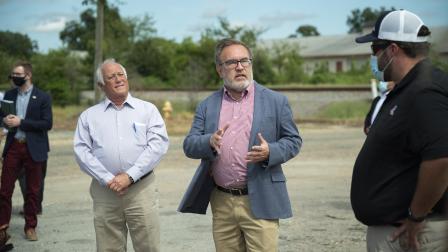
x: 138, y: 126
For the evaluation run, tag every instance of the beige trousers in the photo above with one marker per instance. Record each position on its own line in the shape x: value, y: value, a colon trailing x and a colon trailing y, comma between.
x: 136, y: 211
x: 433, y: 238
x: 236, y: 229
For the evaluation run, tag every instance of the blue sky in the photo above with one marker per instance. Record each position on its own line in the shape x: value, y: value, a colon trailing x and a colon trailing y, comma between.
x: 42, y: 20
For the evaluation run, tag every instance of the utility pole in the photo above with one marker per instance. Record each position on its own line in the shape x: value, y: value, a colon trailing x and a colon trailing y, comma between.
x: 99, y: 31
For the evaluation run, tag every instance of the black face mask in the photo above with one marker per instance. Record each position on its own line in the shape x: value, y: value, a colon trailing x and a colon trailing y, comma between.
x: 18, y: 81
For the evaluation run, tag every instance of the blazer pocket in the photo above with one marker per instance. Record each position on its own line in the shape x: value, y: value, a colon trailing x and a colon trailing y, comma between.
x: 278, y: 177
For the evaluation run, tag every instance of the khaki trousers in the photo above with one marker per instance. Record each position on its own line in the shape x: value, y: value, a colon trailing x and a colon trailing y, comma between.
x: 433, y: 238
x: 137, y: 211
x: 236, y: 229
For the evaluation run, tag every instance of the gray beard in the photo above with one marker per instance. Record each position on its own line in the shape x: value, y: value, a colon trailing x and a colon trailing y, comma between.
x: 236, y: 87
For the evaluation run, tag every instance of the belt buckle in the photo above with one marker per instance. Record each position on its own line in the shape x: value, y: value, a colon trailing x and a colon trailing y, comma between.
x: 236, y: 191
x: 22, y: 141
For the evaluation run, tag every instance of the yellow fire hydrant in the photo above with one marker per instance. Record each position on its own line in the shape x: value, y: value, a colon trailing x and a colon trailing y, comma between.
x: 167, y: 110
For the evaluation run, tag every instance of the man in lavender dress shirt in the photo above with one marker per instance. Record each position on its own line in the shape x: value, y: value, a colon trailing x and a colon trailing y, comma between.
x: 119, y: 142
x: 242, y: 133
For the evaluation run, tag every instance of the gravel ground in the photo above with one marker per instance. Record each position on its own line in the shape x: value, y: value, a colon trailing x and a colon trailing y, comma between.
x: 318, y: 183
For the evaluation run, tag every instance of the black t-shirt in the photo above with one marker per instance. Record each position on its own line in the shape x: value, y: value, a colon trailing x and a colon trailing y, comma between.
x: 411, y: 126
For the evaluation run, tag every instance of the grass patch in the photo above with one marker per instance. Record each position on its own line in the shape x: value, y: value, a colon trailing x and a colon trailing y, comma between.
x: 65, y: 118
x: 351, y: 112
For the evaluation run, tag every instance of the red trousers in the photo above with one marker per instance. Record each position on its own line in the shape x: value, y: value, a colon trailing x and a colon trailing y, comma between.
x: 17, y: 157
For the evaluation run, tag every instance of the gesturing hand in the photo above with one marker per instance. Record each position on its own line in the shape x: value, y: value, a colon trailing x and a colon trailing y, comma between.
x: 258, y: 153
x: 215, y: 139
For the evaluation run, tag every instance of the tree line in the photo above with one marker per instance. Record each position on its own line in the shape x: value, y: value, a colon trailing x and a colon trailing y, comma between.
x: 156, y: 62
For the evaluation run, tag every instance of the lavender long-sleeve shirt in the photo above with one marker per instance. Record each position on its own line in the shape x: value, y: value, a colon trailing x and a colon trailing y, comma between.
x: 110, y: 140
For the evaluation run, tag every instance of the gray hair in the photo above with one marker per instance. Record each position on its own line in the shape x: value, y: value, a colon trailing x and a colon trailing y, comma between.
x: 225, y: 43
x: 99, y: 70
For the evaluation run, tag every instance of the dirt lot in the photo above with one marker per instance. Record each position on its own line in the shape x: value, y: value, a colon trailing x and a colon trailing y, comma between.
x: 318, y: 184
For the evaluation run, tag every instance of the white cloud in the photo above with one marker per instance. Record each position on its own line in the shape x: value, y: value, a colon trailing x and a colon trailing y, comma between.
x: 51, y: 25
x: 277, y: 19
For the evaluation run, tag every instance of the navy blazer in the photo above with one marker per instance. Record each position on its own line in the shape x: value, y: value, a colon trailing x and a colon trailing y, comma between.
x: 37, y: 122
x: 266, y: 182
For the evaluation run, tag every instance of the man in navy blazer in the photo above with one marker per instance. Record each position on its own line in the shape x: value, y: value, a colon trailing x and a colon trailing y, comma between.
x: 242, y: 133
x: 26, y: 147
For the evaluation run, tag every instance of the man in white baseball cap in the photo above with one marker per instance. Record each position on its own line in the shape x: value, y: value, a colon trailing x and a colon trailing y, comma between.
x: 400, y: 177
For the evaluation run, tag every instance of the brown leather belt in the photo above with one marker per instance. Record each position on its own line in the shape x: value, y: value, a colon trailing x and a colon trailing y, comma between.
x: 233, y: 191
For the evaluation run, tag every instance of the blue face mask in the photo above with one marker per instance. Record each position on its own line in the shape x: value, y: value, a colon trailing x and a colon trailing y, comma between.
x: 382, y: 87
x: 377, y: 73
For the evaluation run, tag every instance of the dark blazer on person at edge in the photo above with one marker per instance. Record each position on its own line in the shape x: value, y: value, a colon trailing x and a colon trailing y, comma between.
x: 37, y: 122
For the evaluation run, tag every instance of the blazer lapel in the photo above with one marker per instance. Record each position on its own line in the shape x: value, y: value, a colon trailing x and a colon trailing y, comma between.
x: 213, y: 113
x: 258, y: 114
x: 33, y: 99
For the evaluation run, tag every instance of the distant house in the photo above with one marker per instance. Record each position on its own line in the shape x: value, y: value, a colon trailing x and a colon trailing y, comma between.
x: 340, y: 52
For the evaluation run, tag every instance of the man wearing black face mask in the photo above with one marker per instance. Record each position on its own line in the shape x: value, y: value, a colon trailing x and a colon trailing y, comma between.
x: 26, y: 147
x: 400, y: 178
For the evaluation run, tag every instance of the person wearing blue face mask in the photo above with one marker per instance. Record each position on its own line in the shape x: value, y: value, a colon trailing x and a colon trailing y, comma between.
x: 400, y: 177
x: 377, y: 73
x: 384, y: 88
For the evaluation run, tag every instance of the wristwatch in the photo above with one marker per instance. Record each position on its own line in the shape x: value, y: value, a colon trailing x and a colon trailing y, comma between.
x: 413, y: 218
x: 131, y: 179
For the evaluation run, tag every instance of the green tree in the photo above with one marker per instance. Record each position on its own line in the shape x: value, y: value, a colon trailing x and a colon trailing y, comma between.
x: 6, y: 63
x: 120, y: 36
x: 287, y: 63
x: 195, y: 62
x: 322, y: 75
x: 225, y: 30
x: 61, y: 74
x: 14, y: 46
x: 262, y: 67
x: 367, y: 17
x: 17, y: 45
x: 154, y: 56
x: 119, y: 33
x: 307, y: 31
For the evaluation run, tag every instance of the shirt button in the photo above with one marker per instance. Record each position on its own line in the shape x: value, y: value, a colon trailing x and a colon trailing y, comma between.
x: 231, y: 148
x: 233, y: 164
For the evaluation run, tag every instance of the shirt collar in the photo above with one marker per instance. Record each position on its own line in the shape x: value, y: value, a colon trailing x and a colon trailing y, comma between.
x: 26, y: 91
x: 418, y: 68
x: 130, y: 101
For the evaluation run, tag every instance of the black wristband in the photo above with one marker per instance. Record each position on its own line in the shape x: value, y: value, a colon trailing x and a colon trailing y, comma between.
x: 411, y: 217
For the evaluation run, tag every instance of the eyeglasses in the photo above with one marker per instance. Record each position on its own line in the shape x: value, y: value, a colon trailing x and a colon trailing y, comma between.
x: 377, y: 47
x: 118, y: 75
x: 233, y: 63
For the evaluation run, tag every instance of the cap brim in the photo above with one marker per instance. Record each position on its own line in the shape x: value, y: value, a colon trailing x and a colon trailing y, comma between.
x: 366, y: 38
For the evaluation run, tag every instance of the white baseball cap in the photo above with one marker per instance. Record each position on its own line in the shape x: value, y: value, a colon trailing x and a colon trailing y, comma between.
x: 399, y: 25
